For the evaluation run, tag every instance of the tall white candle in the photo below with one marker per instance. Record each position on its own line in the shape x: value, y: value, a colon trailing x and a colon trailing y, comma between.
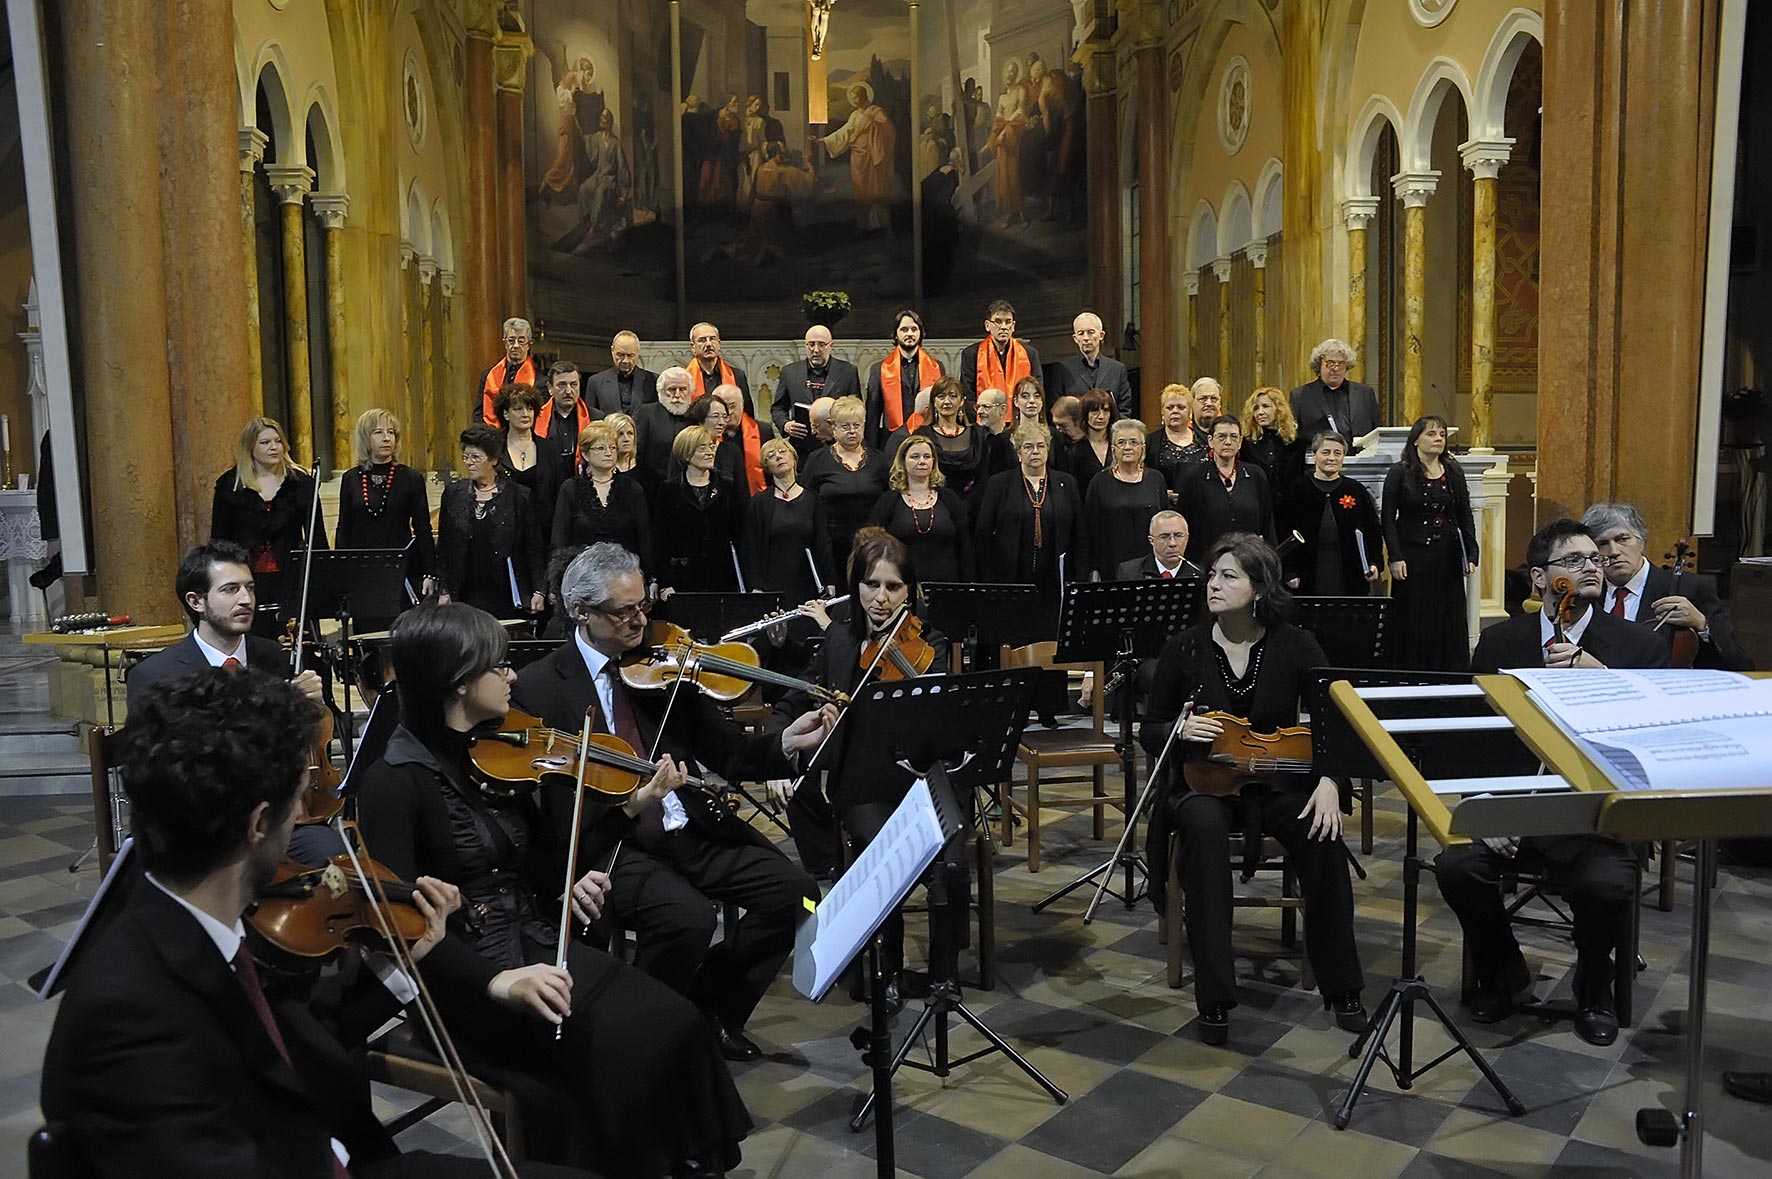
x: 5, y: 432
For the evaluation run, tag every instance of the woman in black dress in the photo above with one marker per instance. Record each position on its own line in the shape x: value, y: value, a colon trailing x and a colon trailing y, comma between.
x: 1175, y: 444
x: 1432, y: 539
x: 962, y: 449
x: 382, y: 505
x: 1118, y: 506
x: 530, y: 464
x: 489, y: 547
x: 635, y: 1084
x: 599, y: 504
x: 696, y: 519
x: 1247, y: 661
x: 264, y: 503
x: 848, y: 476
x: 1030, y: 521
x: 1270, y: 437
x: 928, y: 518
x: 785, y: 536
x: 1225, y: 494
x: 1343, y: 549
x: 1093, y: 453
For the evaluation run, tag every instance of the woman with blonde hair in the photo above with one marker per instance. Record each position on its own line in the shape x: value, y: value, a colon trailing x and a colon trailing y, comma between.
x: 696, y: 519
x: 786, y: 544
x: 382, y: 505
x: 1270, y: 437
x: 1175, y: 443
x: 923, y: 513
x: 598, y: 504
x: 848, y: 476
x: 264, y: 502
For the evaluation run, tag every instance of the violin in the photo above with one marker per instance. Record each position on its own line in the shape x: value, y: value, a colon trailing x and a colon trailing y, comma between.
x: 524, y: 754
x: 1683, y: 651
x: 1240, y: 756
x: 308, y: 913
x: 722, y: 671
x: 1563, y: 613
x: 321, y: 799
x: 902, y: 653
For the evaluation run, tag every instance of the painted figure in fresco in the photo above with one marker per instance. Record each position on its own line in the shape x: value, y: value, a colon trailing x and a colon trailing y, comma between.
x: 603, y: 194
x: 1035, y: 142
x: 701, y: 142
x: 645, y: 156
x: 760, y: 128
x: 579, y: 101
x: 719, y: 171
x: 977, y: 120
x: 1060, y: 101
x: 779, y: 182
x: 1005, y: 144
x: 869, y: 138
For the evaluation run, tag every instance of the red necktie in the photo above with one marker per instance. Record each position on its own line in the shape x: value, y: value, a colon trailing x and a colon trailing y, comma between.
x: 231, y: 664
x: 623, y: 725
x: 1619, y: 596
x: 1167, y: 574
x: 247, y: 973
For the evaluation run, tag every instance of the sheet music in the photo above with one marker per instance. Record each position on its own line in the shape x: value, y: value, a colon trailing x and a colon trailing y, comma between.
x: 1604, y: 700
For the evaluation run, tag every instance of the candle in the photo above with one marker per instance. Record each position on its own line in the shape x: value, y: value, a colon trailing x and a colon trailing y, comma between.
x: 5, y: 432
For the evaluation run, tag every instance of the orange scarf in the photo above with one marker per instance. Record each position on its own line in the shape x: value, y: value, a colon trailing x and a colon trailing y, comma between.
x: 753, y: 451
x: 495, y: 380
x: 701, y: 389
x: 892, y: 389
x: 991, y: 374
x: 544, y: 420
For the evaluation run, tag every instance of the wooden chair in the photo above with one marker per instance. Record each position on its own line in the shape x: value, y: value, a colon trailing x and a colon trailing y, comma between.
x: 1172, y: 927
x: 396, y: 1059
x: 1055, y: 749
x: 104, y: 749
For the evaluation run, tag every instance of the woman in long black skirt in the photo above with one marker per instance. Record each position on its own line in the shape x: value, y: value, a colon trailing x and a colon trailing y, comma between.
x: 1432, y: 538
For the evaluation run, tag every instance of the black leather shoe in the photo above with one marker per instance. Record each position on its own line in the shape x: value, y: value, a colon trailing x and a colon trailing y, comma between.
x: 1595, y: 1020
x: 1215, y: 1023
x: 1749, y: 1086
x: 1495, y: 1001
x: 1598, y: 1025
x: 735, y: 1045
x: 1350, y: 1013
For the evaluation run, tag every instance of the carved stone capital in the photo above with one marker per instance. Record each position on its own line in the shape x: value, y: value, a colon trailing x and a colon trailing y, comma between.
x: 446, y: 281
x: 330, y: 208
x: 1099, y: 75
x: 252, y: 148
x: 1358, y: 212
x: 1221, y: 269
x: 1413, y: 188
x: 291, y: 182
x: 427, y: 268
x: 482, y: 18
x: 1190, y: 282
x: 407, y: 254
x: 1146, y: 22
x: 1256, y: 252
x: 1484, y: 157
x: 511, y: 51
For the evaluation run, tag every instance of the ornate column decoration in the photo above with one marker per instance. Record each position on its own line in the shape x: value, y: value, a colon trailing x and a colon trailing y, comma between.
x: 1357, y: 213
x: 252, y: 153
x: 1256, y: 252
x: 1190, y: 281
x: 445, y: 393
x: 1221, y: 270
x: 1413, y: 189
x: 1146, y: 23
x: 410, y: 393
x: 511, y: 52
x: 1484, y: 157
x: 292, y: 182
x: 424, y: 403
x: 330, y: 208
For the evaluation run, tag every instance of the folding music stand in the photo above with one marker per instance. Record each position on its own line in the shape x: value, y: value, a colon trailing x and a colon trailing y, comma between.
x: 1353, y: 631
x: 1119, y: 623
x: 981, y: 618
x: 351, y: 584
x: 707, y: 616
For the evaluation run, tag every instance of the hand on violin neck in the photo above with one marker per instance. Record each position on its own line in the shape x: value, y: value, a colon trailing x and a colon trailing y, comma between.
x: 669, y: 775
x: 588, y: 895
x: 542, y: 990
x: 308, y: 684
x: 436, y: 899
x: 809, y: 730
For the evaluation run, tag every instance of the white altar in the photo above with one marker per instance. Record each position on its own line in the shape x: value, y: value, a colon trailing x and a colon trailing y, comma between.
x: 23, y: 549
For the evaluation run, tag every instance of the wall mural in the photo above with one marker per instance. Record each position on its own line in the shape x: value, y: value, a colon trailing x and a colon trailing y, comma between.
x: 774, y: 204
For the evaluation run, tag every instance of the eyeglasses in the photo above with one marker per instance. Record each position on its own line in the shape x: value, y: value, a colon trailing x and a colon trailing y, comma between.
x: 1002, y: 323
x: 1327, y: 363
x: 507, y: 665
x: 1577, y: 561
x: 622, y: 615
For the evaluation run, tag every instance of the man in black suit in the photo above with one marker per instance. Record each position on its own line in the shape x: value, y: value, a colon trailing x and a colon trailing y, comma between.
x: 1668, y: 603
x: 999, y: 360
x: 167, y: 1057
x: 1089, y: 369
x: 657, y: 423
x: 565, y: 414
x: 626, y: 386
x: 685, y: 852
x: 708, y: 370
x: 1598, y: 875
x: 1169, y: 536
x: 805, y: 381
x: 1332, y: 402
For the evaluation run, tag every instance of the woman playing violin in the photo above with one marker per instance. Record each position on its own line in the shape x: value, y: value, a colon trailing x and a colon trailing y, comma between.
x: 635, y: 1085
x: 1246, y: 660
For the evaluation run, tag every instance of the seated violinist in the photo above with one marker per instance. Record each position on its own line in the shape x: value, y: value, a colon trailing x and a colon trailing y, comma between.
x: 672, y: 854
x: 612, y: 1069
x: 1247, y: 661
x: 167, y: 1057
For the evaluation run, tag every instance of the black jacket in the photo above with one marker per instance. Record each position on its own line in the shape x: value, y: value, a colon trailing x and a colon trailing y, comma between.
x: 1409, y: 518
x: 969, y: 387
x: 1721, y: 650
x: 603, y: 391
x: 1301, y: 511
x: 842, y: 379
x: 1310, y: 405
x: 695, y: 541
x: 655, y: 430
x: 183, y: 657
x: 516, y: 536
x: 875, y: 398
x: 1004, y: 508
x: 239, y: 514
x: 1146, y: 566
x: 1516, y: 642
x: 405, y: 517
x: 1073, y: 377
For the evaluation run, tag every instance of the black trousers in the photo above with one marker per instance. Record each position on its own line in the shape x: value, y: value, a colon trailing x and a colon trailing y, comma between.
x: 1204, y: 825
x: 1598, y: 876
x: 948, y: 881
x: 814, y: 825
x: 665, y: 893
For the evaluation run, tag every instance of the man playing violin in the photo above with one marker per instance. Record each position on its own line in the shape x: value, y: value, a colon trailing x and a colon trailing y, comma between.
x: 1598, y: 875
x: 669, y: 853
x: 166, y: 1057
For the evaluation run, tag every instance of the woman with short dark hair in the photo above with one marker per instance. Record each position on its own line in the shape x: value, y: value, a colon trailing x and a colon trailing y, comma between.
x: 697, y: 518
x: 532, y: 464
x: 489, y: 546
x: 1093, y: 453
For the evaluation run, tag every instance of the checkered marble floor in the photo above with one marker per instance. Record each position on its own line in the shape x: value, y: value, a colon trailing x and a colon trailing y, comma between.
x: 1089, y: 1007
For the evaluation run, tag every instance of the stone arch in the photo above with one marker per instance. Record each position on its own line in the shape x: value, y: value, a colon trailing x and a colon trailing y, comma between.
x: 329, y: 160
x: 1202, y: 236
x: 1443, y: 76
x: 244, y: 79
x: 270, y: 72
x: 415, y: 221
x: 1518, y: 28
x: 1368, y: 132
x: 1235, y: 220
x: 442, y: 244
x: 1269, y: 211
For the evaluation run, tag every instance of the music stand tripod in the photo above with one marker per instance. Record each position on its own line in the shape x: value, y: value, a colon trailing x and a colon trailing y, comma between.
x: 1120, y: 623
x: 348, y: 584
x: 969, y: 727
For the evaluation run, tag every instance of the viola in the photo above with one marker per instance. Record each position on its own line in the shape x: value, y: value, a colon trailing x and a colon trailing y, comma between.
x: 1683, y: 651
x: 902, y: 653
x: 1240, y: 756
x: 309, y: 913
x: 722, y: 671
x: 524, y: 754
x: 1563, y: 613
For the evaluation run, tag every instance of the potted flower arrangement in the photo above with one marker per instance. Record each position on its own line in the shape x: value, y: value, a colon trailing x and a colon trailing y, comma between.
x: 825, y: 307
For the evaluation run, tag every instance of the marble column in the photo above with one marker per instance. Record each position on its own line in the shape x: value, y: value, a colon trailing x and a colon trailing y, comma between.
x: 1484, y: 158
x: 291, y: 183
x: 1256, y: 251
x: 479, y: 254
x: 1106, y: 184
x: 330, y: 208
x: 510, y: 56
x: 1185, y: 364
x: 411, y: 394
x: 1147, y: 25
x: 424, y: 402
x: 1413, y: 189
x: 1357, y: 213
x: 444, y: 395
x: 1221, y: 270
x: 252, y: 154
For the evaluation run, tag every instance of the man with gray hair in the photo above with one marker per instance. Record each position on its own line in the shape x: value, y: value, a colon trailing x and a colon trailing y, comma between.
x: 1089, y: 369
x: 672, y: 855
x: 625, y: 386
x: 708, y: 370
x: 1332, y: 402
x: 515, y: 367
x: 657, y: 423
x: 1683, y: 608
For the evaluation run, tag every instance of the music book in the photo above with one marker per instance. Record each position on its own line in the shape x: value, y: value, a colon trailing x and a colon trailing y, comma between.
x: 1666, y: 729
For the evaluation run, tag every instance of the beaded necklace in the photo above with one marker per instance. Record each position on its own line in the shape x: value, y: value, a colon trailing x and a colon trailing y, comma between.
x: 384, y: 483
x: 1038, y: 500
x: 916, y: 520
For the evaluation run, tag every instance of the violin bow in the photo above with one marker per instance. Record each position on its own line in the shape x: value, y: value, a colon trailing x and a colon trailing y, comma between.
x: 307, y: 571
x: 497, y: 1160
x: 578, y: 811
x: 904, y: 612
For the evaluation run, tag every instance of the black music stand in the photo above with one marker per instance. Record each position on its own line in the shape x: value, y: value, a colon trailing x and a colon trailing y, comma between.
x: 1353, y: 631
x: 968, y: 726
x: 981, y: 618
x: 523, y: 652
x: 707, y: 616
x: 1118, y: 623
x: 1339, y: 751
x: 347, y: 585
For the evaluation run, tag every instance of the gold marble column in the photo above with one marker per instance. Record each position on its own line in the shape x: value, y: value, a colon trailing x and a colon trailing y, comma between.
x: 510, y: 57
x: 480, y: 289
x: 252, y: 154
x: 444, y: 396
x: 410, y: 394
x: 1146, y: 24
x: 1221, y: 270
x: 330, y: 208
x: 1357, y: 213
x: 291, y: 183
x: 1413, y: 189
x: 1484, y: 158
x: 1106, y: 185
x: 1184, y: 361
x: 423, y: 403
x: 1257, y: 254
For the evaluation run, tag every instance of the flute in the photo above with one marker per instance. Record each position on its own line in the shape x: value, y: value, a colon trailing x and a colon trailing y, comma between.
x: 763, y: 624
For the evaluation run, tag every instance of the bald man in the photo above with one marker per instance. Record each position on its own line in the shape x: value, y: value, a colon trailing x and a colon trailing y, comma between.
x: 625, y: 386
x: 803, y: 382
x: 1089, y: 369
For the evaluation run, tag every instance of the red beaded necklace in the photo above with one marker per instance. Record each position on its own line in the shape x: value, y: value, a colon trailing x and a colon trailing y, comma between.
x: 386, y: 492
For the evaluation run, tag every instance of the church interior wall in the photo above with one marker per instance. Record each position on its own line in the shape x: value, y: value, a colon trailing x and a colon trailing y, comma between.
x: 15, y: 286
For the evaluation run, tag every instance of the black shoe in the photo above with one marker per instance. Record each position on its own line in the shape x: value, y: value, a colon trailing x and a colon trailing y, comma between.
x: 1215, y: 1023
x: 1350, y: 1013
x: 1494, y: 1001
x: 1749, y: 1086
x: 734, y: 1044
x: 1595, y: 1020
x: 1597, y: 1025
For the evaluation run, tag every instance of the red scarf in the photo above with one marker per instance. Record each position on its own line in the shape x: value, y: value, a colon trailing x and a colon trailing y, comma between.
x: 991, y: 374
x: 753, y: 452
x: 495, y: 380
x: 701, y: 389
x: 928, y: 372
x: 544, y: 420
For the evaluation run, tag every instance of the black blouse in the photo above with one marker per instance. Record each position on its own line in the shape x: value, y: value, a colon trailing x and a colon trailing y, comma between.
x: 1169, y: 458
x: 939, y: 537
x: 582, y: 517
x: 778, y: 533
x: 696, y: 532
x: 1117, y: 516
x: 273, y: 530
x: 376, y: 511
x: 848, y: 496
x: 965, y: 459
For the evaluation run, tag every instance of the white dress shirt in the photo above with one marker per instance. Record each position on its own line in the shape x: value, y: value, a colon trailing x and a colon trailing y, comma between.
x: 601, y: 668
x: 217, y: 658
